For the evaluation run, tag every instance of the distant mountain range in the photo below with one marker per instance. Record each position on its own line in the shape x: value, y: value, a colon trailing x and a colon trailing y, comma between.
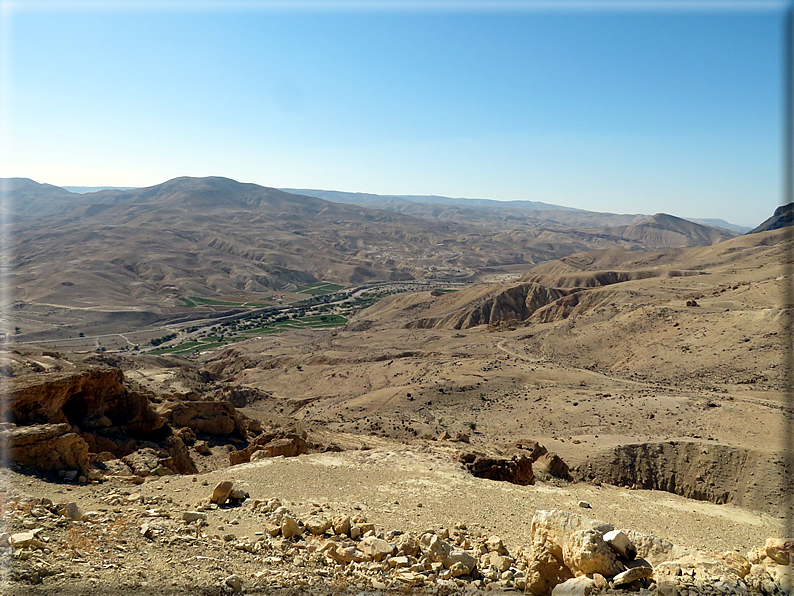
x: 215, y: 237
x: 86, y: 189
x: 33, y: 200
x: 500, y: 213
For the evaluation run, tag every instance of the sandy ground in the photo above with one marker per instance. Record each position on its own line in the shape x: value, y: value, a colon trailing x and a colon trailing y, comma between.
x: 417, y: 487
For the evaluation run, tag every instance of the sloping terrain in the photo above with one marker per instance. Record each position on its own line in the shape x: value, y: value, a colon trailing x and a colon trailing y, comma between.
x: 588, y: 353
x: 781, y: 218
x: 24, y: 199
x: 484, y: 212
x: 216, y: 236
x: 100, y: 257
x: 653, y: 380
x: 667, y: 231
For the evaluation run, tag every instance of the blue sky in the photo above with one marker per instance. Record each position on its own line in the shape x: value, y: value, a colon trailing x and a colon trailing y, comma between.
x: 634, y: 110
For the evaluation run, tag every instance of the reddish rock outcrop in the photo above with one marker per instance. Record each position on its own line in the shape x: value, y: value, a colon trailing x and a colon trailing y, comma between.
x: 48, y: 447
x: 94, y: 399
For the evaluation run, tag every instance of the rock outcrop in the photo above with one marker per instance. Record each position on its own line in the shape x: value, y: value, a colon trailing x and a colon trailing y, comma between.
x: 92, y: 422
x: 512, y: 304
x: 281, y: 442
x: 209, y: 417
x: 47, y: 447
x: 93, y: 400
x: 516, y: 469
x: 696, y: 470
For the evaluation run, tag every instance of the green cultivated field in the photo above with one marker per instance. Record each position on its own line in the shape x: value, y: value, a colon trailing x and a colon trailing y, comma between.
x: 214, y: 341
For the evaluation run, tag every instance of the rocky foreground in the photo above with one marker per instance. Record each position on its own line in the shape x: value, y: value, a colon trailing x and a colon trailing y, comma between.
x: 141, y: 544
x: 120, y: 487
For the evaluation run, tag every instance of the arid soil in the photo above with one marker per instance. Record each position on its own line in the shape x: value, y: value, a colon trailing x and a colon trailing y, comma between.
x: 639, y: 370
x: 414, y: 487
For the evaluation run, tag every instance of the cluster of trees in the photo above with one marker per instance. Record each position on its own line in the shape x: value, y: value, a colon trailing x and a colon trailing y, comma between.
x: 160, y: 340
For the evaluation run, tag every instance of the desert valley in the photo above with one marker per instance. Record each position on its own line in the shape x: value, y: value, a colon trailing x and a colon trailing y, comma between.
x: 215, y: 387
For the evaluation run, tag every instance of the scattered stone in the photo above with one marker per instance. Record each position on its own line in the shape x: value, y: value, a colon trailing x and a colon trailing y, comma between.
x: 27, y: 539
x: 458, y: 556
x: 289, y: 527
x: 221, y: 492
x: 575, y: 586
x: 234, y: 583
x: 436, y: 548
x: 341, y: 524
x: 779, y: 550
x: 500, y: 562
x: 72, y: 511
x: 407, y: 544
x: 376, y: 548
x: 317, y: 525
x: 620, y: 543
x: 202, y: 448
x: 632, y: 575
x: 585, y: 505
x: 494, y: 544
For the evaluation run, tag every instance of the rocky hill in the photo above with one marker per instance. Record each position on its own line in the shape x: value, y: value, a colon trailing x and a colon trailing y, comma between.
x: 781, y: 218
x: 436, y: 443
x: 215, y: 238
x: 663, y: 230
x: 482, y: 212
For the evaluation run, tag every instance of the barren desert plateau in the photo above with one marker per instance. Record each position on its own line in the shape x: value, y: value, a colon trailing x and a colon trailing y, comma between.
x: 219, y: 388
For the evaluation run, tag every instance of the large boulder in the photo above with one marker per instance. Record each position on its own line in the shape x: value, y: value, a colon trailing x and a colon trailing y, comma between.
x: 586, y: 552
x: 284, y: 443
x: 563, y: 545
x: 221, y: 492
x: 47, y: 447
x: 211, y: 417
x: 517, y: 469
x: 551, y: 464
